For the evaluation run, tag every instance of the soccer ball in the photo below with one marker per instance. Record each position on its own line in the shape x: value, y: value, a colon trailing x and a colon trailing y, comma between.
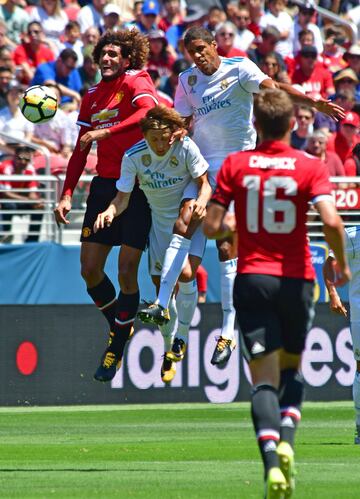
x: 38, y: 104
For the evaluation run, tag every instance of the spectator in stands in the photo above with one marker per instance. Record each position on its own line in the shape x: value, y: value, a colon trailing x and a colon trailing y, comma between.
x: 196, y: 15
x: 32, y: 52
x: 352, y: 58
x: 215, y: 17
x: 316, y: 81
x: 63, y: 72
x: 12, y: 122
x: 347, y: 79
x: 161, y: 56
x: 201, y: 280
x: 16, y: 20
x: 89, y: 71
x: 225, y: 35
x: 352, y: 163
x: 304, y: 21
x: 162, y: 97
x: 91, y: 15
x: 91, y: 36
x: 170, y: 83
x: 4, y: 39
x: 316, y: 145
x: 304, y: 126
x: 346, y: 138
x: 6, y: 59
x: 148, y: 19
x: 72, y: 40
x: 6, y: 76
x: 277, y: 17
x: 136, y: 17
x: 13, y: 201
x: 269, y: 38
x: 112, y: 17
x: 270, y: 66
x: 172, y: 14
x: 52, y: 19
x: 244, y: 37
x: 333, y: 52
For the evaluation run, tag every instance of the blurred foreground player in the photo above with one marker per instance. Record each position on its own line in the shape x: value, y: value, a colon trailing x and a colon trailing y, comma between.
x: 352, y: 245
x: 110, y: 114
x: 273, y: 290
x: 173, y: 176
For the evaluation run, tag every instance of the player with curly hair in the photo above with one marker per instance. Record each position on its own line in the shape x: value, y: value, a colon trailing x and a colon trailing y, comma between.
x: 170, y: 173
x: 110, y: 113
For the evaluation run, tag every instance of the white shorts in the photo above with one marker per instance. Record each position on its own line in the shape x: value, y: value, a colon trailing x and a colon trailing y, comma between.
x: 160, y: 241
x: 355, y: 335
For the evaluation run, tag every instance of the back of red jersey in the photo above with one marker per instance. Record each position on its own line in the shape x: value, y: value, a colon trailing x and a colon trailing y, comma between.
x: 271, y: 187
x: 110, y: 103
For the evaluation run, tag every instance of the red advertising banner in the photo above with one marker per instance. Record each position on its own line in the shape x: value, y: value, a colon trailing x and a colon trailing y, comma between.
x: 347, y: 199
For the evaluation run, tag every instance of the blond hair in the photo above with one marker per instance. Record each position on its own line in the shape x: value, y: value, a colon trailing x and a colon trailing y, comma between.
x: 161, y: 117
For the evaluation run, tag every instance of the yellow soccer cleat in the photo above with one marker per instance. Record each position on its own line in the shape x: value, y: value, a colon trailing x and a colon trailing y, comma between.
x: 168, y: 369
x: 178, y: 349
x: 287, y: 466
x: 275, y: 485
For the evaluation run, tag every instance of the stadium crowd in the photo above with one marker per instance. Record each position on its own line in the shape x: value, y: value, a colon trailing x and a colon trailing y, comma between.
x: 51, y: 42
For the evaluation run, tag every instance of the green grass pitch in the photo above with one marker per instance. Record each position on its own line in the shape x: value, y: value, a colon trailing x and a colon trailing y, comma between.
x: 167, y: 451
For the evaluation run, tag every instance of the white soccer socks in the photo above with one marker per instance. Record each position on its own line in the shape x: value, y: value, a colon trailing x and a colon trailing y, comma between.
x: 168, y: 330
x: 186, y: 302
x: 227, y: 277
x: 174, y: 261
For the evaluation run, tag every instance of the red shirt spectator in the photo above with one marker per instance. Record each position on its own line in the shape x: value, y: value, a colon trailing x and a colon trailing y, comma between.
x: 172, y: 16
x: 315, y: 80
x: 225, y: 37
x: 352, y: 163
x: 344, y: 141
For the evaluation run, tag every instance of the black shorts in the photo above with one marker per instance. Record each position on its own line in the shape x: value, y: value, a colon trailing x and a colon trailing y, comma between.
x: 272, y: 312
x: 131, y: 227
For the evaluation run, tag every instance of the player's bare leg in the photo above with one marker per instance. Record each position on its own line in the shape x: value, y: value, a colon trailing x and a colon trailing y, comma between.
x: 228, y: 264
x: 126, y: 308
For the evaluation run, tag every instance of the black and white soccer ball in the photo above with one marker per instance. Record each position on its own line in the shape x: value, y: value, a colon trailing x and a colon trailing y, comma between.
x: 38, y: 104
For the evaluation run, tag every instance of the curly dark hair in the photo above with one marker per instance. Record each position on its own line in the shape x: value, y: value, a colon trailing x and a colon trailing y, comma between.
x: 133, y: 44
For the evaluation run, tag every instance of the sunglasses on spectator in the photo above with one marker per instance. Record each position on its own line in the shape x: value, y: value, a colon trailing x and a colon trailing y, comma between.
x: 309, y: 56
x: 23, y: 158
x: 226, y: 34
x: 34, y: 31
x: 346, y: 80
x: 245, y: 18
x: 270, y: 64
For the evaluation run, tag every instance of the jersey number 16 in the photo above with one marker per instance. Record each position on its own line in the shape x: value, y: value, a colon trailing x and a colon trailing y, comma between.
x: 271, y: 205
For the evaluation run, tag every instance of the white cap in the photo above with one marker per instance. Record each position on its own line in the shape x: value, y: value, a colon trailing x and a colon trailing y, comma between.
x: 111, y: 8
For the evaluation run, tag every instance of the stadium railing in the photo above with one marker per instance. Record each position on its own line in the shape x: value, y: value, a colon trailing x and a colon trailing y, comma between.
x: 346, y: 195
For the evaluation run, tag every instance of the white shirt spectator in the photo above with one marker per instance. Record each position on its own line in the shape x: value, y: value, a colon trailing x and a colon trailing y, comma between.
x: 243, y: 39
x: 89, y: 17
x: 57, y: 130
x: 283, y: 22
x: 15, y: 125
x: 317, y: 37
x: 53, y: 26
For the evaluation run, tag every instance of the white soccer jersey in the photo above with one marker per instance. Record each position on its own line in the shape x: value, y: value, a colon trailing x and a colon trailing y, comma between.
x: 352, y: 241
x: 162, y: 178
x: 222, y: 107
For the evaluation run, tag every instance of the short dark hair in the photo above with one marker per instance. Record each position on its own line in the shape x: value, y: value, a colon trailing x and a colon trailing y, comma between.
x: 133, y: 45
x: 198, y: 33
x: 36, y: 23
x: 270, y: 31
x: 21, y: 149
x: 180, y: 65
x: 68, y: 54
x: 273, y: 110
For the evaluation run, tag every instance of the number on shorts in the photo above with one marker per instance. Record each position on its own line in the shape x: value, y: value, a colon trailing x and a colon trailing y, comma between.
x: 271, y: 205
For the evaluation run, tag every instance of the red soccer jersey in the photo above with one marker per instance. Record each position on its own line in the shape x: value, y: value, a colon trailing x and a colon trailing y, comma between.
x: 7, y: 168
x: 318, y: 84
x: 24, y: 53
x: 271, y: 187
x: 110, y: 103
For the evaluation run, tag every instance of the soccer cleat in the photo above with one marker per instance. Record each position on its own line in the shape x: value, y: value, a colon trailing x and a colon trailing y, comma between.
x: 287, y: 466
x: 275, y: 485
x: 110, y: 363
x: 154, y: 314
x: 178, y: 349
x: 357, y: 435
x: 223, y: 350
x: 168, y: 369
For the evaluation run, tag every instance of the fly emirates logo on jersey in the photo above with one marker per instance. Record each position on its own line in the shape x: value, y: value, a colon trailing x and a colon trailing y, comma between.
x: 212, y: 104
x: 273, y: 163
x: 158, y: 180
x: 104, y: 118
